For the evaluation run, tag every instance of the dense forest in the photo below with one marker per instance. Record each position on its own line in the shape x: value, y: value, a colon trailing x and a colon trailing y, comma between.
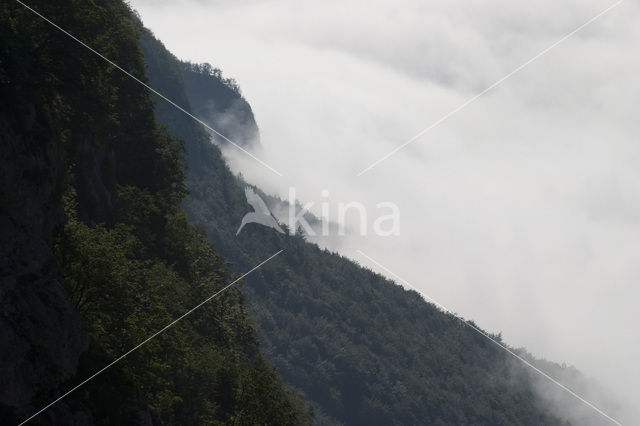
x: 119, y: 215
x: 97, y: 252
x: 362, y: 349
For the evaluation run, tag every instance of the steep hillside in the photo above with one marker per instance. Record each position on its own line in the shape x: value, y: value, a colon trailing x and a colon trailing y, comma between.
x: 97, y: 254
x: 361, y: 348
x: 215, y: 99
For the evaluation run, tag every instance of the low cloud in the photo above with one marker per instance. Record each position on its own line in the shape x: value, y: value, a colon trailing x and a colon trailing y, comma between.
x: 520, y: 212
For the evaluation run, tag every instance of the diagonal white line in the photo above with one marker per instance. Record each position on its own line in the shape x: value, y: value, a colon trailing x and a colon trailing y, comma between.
x: 150, y: 88
x: 488, y: 89
x: 162, y: 330
x: 501, y: 345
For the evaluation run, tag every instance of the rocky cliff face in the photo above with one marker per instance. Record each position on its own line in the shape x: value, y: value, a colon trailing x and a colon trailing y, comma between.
x: 38, y: 325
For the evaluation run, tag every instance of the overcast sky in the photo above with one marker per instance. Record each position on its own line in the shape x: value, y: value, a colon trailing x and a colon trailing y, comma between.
x: 521, y: 212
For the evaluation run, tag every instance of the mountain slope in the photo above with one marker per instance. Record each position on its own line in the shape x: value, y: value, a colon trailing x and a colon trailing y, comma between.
x: 97, y: 254
x: 361, y: 348
x: 217, y: 100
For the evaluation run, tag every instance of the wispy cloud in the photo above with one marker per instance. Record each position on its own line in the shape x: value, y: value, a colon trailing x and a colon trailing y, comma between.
x: 526, y: 201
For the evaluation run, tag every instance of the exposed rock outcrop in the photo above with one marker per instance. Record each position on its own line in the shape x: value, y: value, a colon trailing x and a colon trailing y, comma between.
x: 37, y: 321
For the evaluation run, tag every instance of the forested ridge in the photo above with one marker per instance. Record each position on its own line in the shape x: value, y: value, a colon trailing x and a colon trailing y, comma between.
x: 361, y: 348
x: 83, y: 154
x: 101, y: 182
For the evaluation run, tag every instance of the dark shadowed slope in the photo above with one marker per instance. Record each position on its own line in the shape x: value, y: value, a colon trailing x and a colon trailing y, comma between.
x: 217, y: 100
x: 96, y: 253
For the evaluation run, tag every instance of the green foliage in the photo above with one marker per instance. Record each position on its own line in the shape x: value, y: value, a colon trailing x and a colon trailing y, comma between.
x: 360, y: 348
x: 207, y: 70
x: 214, y: 99
x: 204, y: 370
x: 128, y: 255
